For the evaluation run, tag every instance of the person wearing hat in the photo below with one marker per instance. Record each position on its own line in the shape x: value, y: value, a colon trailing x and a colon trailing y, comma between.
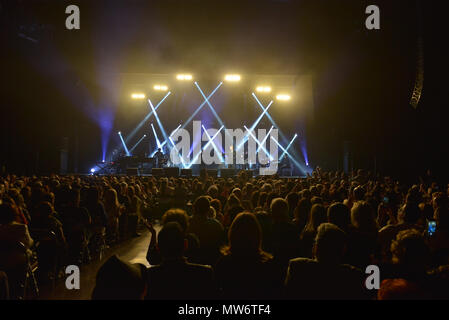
x: 119, y: 280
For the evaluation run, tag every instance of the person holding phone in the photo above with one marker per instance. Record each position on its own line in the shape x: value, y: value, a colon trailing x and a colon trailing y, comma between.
x: 408, y: 217
x: 438, y: 232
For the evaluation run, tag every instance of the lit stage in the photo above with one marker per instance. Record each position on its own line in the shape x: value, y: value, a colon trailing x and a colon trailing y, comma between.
x: 231, y: 126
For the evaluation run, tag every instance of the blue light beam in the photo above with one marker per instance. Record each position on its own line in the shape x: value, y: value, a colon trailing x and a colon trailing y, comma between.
x: 144, y: 120
x: 260, y: 144
x: 288, y: 146
x: 134, y: 147
x: 124, y: 144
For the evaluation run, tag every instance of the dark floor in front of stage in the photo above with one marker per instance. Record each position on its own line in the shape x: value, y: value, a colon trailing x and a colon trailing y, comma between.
x: 133, y: 250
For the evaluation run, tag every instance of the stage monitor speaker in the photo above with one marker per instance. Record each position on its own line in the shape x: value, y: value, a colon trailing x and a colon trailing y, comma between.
x: 172, y: 172
x: 212, y: 173
x: 227, y: 172
x: 157, y: 172
x: 132, y: 171
x: 186, y: 172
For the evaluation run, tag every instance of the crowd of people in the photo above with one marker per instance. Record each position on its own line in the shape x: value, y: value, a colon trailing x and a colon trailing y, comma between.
x: 234, y: 238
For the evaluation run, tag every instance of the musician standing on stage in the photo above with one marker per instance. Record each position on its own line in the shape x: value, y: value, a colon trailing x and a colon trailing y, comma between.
x: 159, y: 158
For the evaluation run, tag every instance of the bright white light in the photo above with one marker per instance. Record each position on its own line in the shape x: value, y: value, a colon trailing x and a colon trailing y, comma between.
x: 283, y: 97
x: 119, y: 132
x: 92, y: 170
x: 232, y: 77
x: 160, y: 87
x: 138, y: 96
x: 263, y: 89
x: 184, y: 77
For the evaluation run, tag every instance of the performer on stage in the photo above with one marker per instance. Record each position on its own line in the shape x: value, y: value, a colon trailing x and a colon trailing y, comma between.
x: 159, y: 156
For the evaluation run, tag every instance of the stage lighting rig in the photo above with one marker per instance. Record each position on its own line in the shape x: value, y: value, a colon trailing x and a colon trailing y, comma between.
x: 283, y: 97
x: 184, y: 77
x: 232, y: 77
x: 138, y: 96
x: 160, y: 87
x: 263, y: 89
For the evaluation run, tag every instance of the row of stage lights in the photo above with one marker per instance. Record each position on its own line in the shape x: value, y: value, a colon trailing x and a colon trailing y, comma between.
x: 228, y: 78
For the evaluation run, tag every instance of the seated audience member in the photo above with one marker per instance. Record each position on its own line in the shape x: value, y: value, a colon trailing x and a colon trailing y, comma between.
x: 216, y: 204
x: 284, y: 238
x: 340, y: 215
x: 292, y: 200
x: 44, y: 219
x: 439, y: 241
x: 399, y: 289
x: 47, y: 230
x: 410, y: 278
x: 325, y: 277
x: 12, y: 232
x: 317, y: 216
x: 15, y: 244
x: 245, y: 271
x: 119, y: 280
x: 97, y: 212
x: 233, y: 208
x: 179, y: 216
x: 175, y: 278
x: 113, y: 211
x: 362, y: 243
x: 302, y: 213
x: 75, y: 223
x: 408, y: 217
x: 4, y: 287
x: 209, y: 231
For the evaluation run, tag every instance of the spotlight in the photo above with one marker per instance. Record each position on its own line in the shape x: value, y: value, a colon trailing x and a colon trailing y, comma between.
x: 262, y: 89
x: 119, y: 132
x: 184, y: 77
x: 92, y: 170
x: 138, y: 96
x: 232, y: 77
x: 160, y: 87
x: 283, y: 97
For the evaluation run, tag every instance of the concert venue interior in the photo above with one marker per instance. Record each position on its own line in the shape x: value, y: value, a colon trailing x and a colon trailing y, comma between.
x: 226, y: 150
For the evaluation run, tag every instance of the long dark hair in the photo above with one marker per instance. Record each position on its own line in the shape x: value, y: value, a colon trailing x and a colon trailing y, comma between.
x: 245, y: 238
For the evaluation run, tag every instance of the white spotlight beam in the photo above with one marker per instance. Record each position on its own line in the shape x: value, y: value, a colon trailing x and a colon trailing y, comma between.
x: 140, y: 140
x: 155, y: 135
x: 288, y: 146
x: 207, y: 144
x: 144, y: 120
x: 296, y: 163
x: 265, y: 139
x: 158, y: 120
x: 259, y: 143
x: 213, y: 143
x: 124, y: 144
x: 245, y: 138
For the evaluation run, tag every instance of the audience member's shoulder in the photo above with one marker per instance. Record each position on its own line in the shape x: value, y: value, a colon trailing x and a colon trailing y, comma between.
x: 302, y: 261
x: 16, y: 226
x: 200, y: 268
x: 350, y: 268
x: 388, y: 228
x: 214, y: 222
